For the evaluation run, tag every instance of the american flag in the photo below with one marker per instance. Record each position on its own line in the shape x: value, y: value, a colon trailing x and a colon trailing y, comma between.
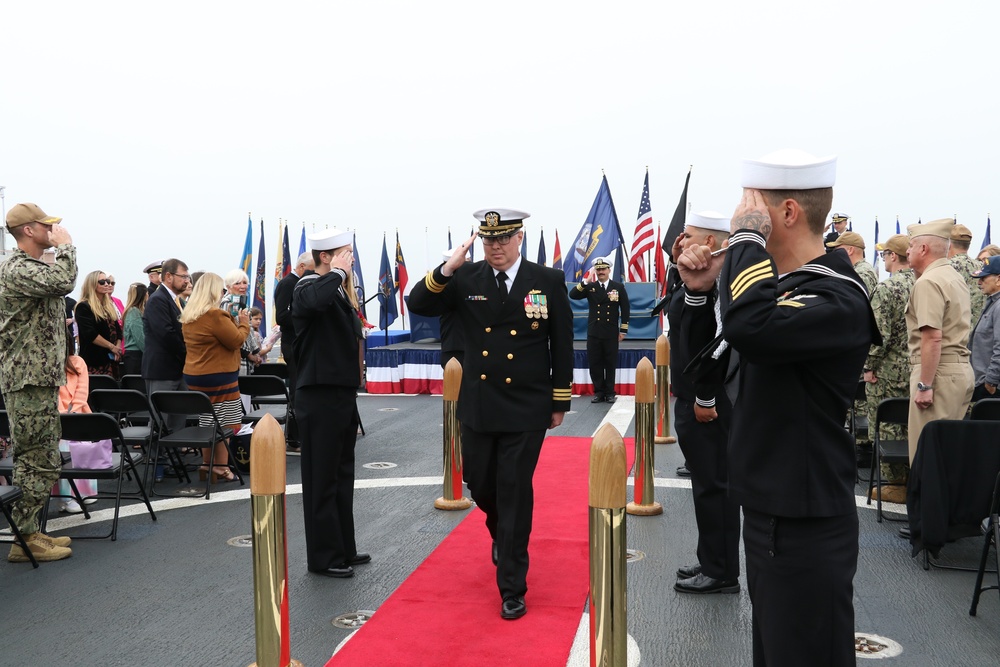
x: 644, y: 238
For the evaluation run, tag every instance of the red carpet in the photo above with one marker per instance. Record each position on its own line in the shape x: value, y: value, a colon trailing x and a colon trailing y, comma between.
x: 448, y: 610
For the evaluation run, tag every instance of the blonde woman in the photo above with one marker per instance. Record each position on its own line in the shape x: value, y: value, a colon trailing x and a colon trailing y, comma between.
x: 988, y: 251
x: 213, y: 339
x: 100, y: 332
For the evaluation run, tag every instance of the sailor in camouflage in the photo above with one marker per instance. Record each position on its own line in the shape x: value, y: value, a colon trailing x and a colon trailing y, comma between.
x: 959, y: 258
x: 32, y: 365
x: 854, y: 245
x: 887, y: 369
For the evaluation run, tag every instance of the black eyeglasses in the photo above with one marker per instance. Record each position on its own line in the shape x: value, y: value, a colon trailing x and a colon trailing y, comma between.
x: 885, y: 254
x: 181, y: 276
x: 493, y: 240
x: 105, y: 282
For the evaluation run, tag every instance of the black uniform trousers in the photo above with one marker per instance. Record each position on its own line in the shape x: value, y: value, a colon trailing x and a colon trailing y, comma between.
x: 800, y: 573
x: 328, y: 427
x: 291, y: 422
x: 717, y: 515
x: 602, y: 357
x: 498, y: 469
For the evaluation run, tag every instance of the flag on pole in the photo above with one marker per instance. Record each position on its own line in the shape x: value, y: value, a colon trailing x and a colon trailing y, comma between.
x: 877, y: 253
x: 986, y: 239
x: 401, y: 276
x: 449, y: 238
x: 599, y: 236
x: 286, y: 258
x: 386, y: 290
x: 643, y: 240
x: 359, y: 280
x: 524, y: 244
x: 677, y: 223
x: 660, y: 268
x: 897, y: 224
x: 472, y: 248
x: 278, y: 270
x: 247, y: 260
x: 259, y: 287
x: 557, y: 254
x: 617, y: 271
x: 541, y: 248
x: 302, y: 239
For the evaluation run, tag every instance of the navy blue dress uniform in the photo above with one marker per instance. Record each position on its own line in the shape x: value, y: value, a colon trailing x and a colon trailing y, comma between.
x: 838, y: 218
x: 328, y: 332
x: 607, y: 317
x: 801, y: 342
x: 283, y: 316
x: 694, y: 323
x: 517, y: 373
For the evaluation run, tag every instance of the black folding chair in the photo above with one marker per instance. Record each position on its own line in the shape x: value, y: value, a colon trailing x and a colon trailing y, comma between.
x: 889, y: 411
x: 986, y: 408
x: 991, y: 539
x: 186, y: 403
x: 103, y: 382
x: 272, y: 368
x: 8, y: 496
x: 93, y: 428
x: 133, y: 382
x: 269, y: 390
x: 132, y: 411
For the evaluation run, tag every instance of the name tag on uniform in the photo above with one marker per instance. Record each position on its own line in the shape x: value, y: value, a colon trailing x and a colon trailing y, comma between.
x: 476, y: 297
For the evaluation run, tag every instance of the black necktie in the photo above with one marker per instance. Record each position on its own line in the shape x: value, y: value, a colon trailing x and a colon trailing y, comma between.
x: 502, y: 285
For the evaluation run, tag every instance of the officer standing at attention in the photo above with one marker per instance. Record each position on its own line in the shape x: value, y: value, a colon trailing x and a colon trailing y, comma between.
x: 328, y: 331
x: 938, y: 318
x: 518, y: 327
x: 702, y: 414
x: 33, y: 366
x: 836, y: 227
x: 958, y: 256
x: 791, y: 462
x: 608, y: 302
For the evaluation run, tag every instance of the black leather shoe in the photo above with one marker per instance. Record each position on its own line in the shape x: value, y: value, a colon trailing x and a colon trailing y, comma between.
x: 513, y: 607
x: 360, y: 558
x: 610, y: 399
x: 700, y: 584
x: 904, y: 532
x: 682, y: 471
x: 688, y: 571
x: 341, y: 572
x: 496, y: 553
x: 597, y: 399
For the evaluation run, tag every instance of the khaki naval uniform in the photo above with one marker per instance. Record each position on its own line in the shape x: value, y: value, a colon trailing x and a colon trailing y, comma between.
x: 940, y: 299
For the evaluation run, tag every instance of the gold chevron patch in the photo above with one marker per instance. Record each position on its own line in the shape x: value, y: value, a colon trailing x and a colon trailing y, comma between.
x: 433, y: 285
x: 749, y: 276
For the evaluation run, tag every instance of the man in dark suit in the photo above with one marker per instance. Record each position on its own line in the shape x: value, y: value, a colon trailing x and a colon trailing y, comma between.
x: 283, y: 316
x: 328, y: 332
x: 518, y: 329
x: 608, y: 306
x: 163, y: 358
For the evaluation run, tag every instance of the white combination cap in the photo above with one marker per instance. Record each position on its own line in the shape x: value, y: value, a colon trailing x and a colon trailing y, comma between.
x: 710, y: 220
x: 328, y: 239
x: 790, y: 169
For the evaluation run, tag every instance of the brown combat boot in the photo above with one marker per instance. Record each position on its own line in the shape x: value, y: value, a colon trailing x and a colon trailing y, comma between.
x: 891, y: 493
x: 41, y: 548
x: 63, y: 541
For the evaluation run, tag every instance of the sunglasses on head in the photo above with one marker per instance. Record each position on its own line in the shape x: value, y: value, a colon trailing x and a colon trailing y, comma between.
x: 105, y: 282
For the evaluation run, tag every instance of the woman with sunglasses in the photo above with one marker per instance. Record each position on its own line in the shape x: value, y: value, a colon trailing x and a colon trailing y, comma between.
x: 100, y: 332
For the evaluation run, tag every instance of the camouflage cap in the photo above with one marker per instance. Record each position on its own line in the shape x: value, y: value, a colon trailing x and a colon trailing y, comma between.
x: 25, y: 214
x: 848, y: 238
x: 961, y: 233
x: 897, y: 243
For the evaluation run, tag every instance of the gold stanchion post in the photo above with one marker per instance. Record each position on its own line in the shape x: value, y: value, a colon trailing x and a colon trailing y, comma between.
x: 452, y: 498
x: 270, y: 553
x: 663, y: 436
x: 608, y: 589
x: 643, y: 503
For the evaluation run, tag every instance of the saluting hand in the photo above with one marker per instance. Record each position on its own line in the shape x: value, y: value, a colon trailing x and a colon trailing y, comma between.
x: 676, y: 249
x: 457, y: 258
x: 343, y: 260
x: 58, y: 235
x: 752, y: 213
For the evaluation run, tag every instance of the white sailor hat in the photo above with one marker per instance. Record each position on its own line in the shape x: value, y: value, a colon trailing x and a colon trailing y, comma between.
x: 710, y: 220
x: 328, y: 239
x: 499, y: 221
x: 790, y: 169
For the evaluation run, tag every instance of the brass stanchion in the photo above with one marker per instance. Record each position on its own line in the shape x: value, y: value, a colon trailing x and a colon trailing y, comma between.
x: 663, y: 436
x: 608, y: 589
x: 452, y: 498
x: 270, y: 553
x: 643, y: 503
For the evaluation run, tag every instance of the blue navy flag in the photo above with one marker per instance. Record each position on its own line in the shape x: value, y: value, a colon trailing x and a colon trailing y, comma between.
x: 897, y: 224
x: 386, y: 291
x: 524, y: 244
x: 302, y: 240
x: 877, y: 255
x: 359, y: 280
x: 472, y: 248
x: 541, y: 248
x: 986, y: 239
x: 600, y: 236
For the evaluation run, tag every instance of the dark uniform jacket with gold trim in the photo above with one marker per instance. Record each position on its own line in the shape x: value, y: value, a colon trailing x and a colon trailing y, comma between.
x: 606, y: 308
x: 518, y: 369
x: 328, y: 332
x: 802, y: 341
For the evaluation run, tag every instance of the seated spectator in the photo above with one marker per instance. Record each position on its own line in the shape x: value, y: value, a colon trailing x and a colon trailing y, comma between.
x: 73, y: 398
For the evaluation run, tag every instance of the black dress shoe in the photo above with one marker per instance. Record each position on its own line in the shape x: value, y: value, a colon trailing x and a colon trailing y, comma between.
x: 340, y: 572
x: 682, y: 471
x: 702, y: 585
x: 610, y: 399
x: 496, y: 553
x: 688, y: 571
x: 513, y: 607
x: 904, y: 532
x: 360, y: 558
x: 597, y: 399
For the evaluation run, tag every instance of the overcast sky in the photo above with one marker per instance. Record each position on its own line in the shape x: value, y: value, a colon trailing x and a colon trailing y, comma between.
x: 154, y: 132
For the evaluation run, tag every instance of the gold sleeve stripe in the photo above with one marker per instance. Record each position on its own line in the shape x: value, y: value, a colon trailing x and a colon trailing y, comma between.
x: 625, y: 326
x: 751, y: 279
x: 737, y: 284
x: 793, y: 304
x: 579, y: 287
x: 433, y: 285
x: 561, y: 394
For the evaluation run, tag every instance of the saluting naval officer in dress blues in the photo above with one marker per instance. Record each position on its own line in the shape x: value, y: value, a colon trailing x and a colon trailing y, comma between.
x: 607, y: 325
x: 800, y: 323
x: 518, y: 328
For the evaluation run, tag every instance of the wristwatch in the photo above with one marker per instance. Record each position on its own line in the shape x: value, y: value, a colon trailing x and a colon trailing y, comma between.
x: 923, y: 387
